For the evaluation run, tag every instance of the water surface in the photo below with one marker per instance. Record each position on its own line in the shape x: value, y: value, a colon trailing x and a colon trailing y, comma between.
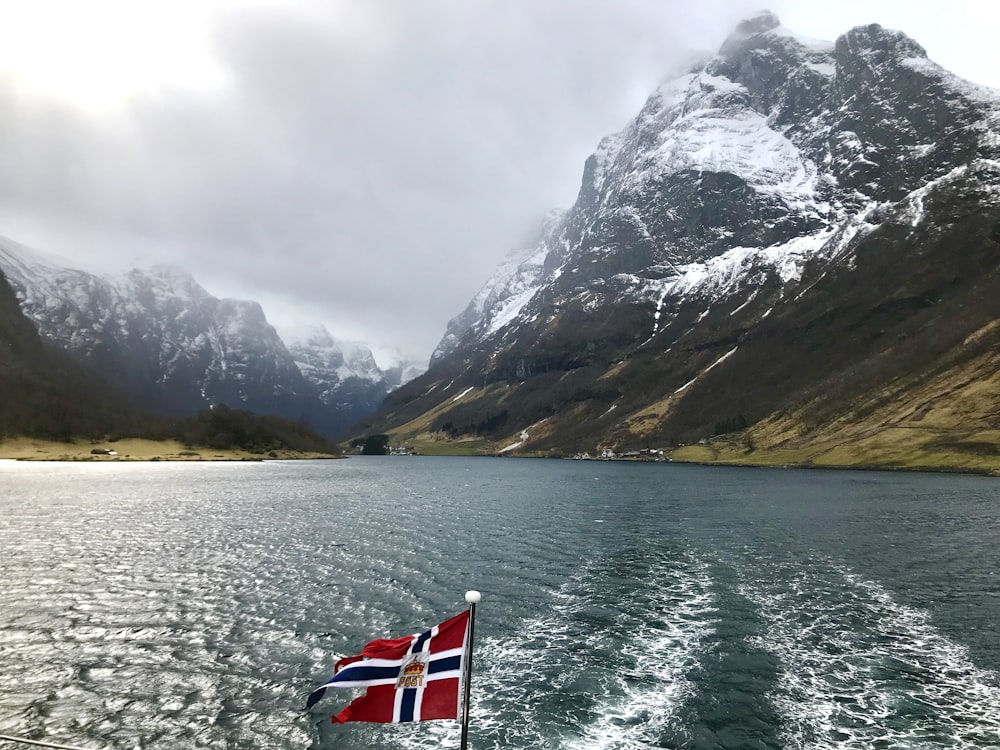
x: 625, y: 606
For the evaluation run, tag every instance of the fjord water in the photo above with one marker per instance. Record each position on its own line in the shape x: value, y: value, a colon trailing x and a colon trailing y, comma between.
x: 625, y: 605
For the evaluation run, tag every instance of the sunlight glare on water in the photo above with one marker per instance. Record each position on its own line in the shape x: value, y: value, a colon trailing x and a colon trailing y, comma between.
x: 625, y: 606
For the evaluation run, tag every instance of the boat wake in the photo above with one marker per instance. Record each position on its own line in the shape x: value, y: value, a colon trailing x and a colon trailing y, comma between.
x: 861, y: 670
x: 596, y: 670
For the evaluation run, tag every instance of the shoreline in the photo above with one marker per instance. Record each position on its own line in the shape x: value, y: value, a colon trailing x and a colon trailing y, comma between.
x: 134, y: 450
x: 129, y: 450
x: 966, y: 471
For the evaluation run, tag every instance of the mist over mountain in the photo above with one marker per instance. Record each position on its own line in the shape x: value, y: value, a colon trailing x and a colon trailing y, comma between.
x: 168, y: 344
x: 793, y: 237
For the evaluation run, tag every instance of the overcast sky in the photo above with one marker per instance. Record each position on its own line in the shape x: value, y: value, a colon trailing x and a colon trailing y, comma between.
x: 364, y: 164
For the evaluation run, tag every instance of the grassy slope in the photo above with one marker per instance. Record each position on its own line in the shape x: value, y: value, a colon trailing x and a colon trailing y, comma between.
x: 948, y: 422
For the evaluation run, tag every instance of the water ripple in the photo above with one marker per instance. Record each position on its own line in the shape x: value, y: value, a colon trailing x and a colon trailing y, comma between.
x: 626, y: 606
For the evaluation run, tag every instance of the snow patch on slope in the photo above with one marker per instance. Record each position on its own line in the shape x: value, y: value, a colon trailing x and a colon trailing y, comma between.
x: 510, y: 308
x: 739, y: 143
x: 705, y: 123
x: 523, y: 437
x: 717, y: 277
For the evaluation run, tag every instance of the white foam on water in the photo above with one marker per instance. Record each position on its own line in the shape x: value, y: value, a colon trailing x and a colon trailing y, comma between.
x: 669, y: 635
x: 861, y: 670
x: 560, y: 683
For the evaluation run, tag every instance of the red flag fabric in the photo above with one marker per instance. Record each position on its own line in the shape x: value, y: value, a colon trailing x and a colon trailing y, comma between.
x: 414, y: 678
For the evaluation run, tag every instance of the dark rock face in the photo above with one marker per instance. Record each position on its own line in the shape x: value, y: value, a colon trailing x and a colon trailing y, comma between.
x: 717, y: 262
x: 774, y: 69
x: 899, y: 121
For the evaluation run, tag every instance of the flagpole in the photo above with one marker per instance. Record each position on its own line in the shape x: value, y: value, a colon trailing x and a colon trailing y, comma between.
x: 472, y: 597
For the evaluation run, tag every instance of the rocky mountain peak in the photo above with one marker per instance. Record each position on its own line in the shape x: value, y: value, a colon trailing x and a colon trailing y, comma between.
x: 312, y: 335
x: 775, y: 66
x: 876, y: 45
x: 317, y: 351
x: 749, y: 34
x: 871, y: 58
x: 163, y: 288
x: 739, y: 186
x: 762, y: 21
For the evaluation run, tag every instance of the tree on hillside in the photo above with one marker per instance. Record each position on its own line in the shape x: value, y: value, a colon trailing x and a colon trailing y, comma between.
x: 375, y: 445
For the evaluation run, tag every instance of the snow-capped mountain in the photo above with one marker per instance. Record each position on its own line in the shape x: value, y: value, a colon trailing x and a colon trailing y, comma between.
x: 344, y: 374
x: 176, y: 349
x: 775, y: 139
x: 745, y: 183
x: 401, y: 370
x: 320, y: 357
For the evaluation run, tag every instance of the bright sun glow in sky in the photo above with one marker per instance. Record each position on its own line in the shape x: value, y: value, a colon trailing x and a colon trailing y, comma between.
x: 96, y: 53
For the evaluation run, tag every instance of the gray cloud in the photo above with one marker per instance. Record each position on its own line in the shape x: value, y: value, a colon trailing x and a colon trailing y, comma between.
x: 365, y: 164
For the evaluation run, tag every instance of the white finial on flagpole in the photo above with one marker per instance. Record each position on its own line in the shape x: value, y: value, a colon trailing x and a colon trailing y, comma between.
x: 473, y: 598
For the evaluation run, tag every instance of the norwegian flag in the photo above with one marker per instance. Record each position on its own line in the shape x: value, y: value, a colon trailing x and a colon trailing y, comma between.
x: 414, y: 678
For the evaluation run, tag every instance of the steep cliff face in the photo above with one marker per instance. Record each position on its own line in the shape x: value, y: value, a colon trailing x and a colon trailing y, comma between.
x: 176, y: 349
x: 704, y: 242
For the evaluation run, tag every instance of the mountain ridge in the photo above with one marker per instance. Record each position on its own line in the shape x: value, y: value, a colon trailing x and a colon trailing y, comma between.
x: 174, y: 347
x: 718, y: 210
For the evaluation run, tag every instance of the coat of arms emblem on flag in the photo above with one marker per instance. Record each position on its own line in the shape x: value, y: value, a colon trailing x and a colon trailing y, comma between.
x: 414, y: 678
